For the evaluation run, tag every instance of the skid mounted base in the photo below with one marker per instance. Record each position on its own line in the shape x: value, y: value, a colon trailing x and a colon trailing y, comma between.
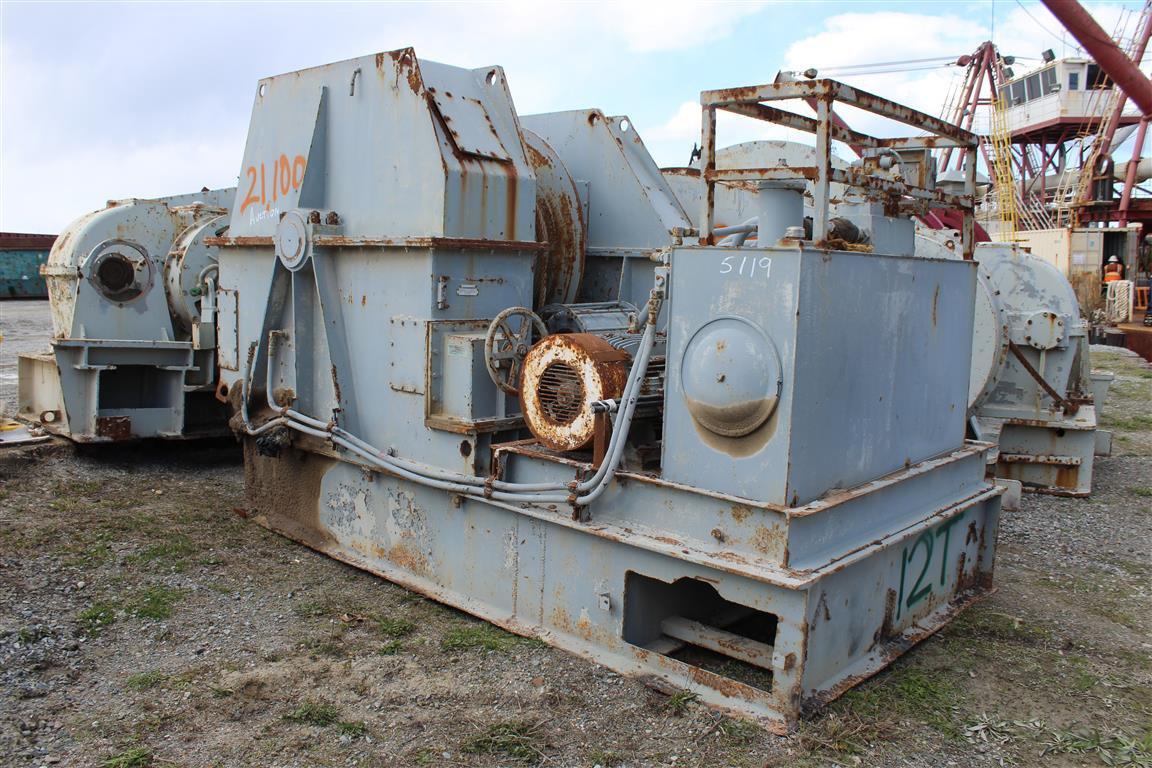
x: 1054, y: 457
x: 761, y: 611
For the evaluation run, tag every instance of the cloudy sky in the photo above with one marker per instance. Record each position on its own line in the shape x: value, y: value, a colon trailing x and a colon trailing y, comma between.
x: 113, y: 100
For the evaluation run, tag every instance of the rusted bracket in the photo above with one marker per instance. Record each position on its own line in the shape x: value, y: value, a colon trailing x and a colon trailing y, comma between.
x: 1068, y: 406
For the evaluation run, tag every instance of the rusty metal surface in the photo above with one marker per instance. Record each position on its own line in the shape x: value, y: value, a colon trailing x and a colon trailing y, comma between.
x: 898, y: 196
x: 559, y: 224
x: 563, y: 376
x: 373, y: 429
x: 114, y: 427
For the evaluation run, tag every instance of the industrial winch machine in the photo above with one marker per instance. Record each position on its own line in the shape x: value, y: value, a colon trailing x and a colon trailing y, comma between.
x: 492, y: 358
x: 132, y: 292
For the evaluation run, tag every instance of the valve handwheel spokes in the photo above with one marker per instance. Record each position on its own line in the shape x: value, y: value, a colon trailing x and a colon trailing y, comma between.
x: 510, y: 335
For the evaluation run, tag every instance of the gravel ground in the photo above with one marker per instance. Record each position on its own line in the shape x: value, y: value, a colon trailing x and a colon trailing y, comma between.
x: 145, y: 622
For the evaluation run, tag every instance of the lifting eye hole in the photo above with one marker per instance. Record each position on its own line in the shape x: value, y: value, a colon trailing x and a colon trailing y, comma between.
x: 491, y: 77
x: 624, y: 126
x: 263, y: 87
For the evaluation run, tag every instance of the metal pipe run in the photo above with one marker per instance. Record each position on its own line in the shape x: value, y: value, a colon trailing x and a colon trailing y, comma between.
x: 581, y: 493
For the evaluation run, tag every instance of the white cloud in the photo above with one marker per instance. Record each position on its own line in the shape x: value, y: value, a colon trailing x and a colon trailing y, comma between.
x: 674, y: 24
x: 683, y: 127
x: 105, y: 100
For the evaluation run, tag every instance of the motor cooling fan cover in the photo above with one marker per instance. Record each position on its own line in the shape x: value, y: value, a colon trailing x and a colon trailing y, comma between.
x: 563, y: 375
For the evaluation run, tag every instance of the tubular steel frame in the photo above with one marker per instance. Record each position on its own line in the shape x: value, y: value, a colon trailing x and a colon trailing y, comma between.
x: 901, y: 197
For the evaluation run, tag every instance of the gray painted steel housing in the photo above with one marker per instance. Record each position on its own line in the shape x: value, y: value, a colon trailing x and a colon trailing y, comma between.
x: 813, y: 509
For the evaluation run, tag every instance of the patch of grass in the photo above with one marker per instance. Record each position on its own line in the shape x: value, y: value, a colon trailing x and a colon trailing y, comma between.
x: 155, y: 602
x: 391, y: 648
x: 355, y: 730
x: 88, y: 555
x: 315, y: 713
x: 680, y: 702
x: 309, y: 610
x: 219, y: 692
x: 172, y: 549
x: 907, y: 692
x: 516, y: 740
x: 605, y: 758
x: 390, y: 627
x: 426, y: 756
x: 844, y: 732
x: 486, y: 636
x: 137, y: 757
x: 29, y: 635
x: 998, y: 626
x: 145, y: 680
x: 1136, y: 423
x: 331, y: 646
x: 1115, y: 615
x: 96, y: 617
x: 738, y: 732
x: 1140, y: 491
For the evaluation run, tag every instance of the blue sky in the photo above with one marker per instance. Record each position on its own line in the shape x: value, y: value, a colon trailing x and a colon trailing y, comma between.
x: 110, y: 100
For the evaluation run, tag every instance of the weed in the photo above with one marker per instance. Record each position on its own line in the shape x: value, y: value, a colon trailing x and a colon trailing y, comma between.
x: 390, y: 627
x: 843, y: 733
x: 1141, y: 491
x: 391, y: 648
x: 517, y: 740
x: 309, y: 610
x: 1113, y: 747
x: 738, y: 732
x: 486, y: 636
x: 137, y: 757
x: 605, y: 758
x: 331, y: 646
x: 219, y: 692
x: 89, y: 556
x: 173, y: 549
x: 355, y: 730
x: 426, y: 756
x: 145, y: 680
x: 96, y: 617
x: 315, y: 713
x: 680, y: 702
x: 155, y: 602
x: 28, y: 635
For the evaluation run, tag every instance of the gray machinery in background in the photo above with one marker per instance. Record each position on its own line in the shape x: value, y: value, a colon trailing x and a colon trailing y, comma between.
x: 489, y: 357
x: 132, y: 292
x: 1033, y: 388
x: 1033, y: 391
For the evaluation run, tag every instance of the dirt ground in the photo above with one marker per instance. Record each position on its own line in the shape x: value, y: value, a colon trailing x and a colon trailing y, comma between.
x: 145, y: 622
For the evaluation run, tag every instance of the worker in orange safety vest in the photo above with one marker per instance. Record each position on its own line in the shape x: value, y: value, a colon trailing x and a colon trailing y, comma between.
x: 1113, y: 270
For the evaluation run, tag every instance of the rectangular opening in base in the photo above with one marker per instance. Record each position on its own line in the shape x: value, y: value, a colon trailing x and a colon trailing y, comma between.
x: 139, y: 386
x: 689, y: 621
